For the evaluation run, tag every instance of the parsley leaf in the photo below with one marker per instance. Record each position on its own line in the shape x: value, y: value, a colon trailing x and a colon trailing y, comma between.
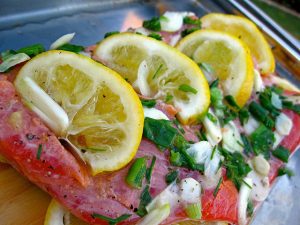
x: 285, y: 171
x: 281, y: 153
x: 262, y: 140
x: 71, y: 48
x: 148, y: 102
x: 155, y: 36
x: 261, y: 114
x: 236, y: 166
x: 32, y: 50
x: 152, y: 24
x: 188, y: 31
x: 171, y: 176
x: 189, y: 20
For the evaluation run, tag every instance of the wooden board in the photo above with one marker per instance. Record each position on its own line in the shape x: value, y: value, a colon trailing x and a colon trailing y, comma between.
x: 21, y: 202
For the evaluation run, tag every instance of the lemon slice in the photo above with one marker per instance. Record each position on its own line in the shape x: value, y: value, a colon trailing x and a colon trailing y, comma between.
x: 58, y: 215
x: 229, y: 58
x: 157, y: 70
x: 245, y: 30
x: 87, y: 103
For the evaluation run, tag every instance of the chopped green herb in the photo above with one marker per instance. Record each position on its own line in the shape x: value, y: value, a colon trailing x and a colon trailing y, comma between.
x: 246, y: 145
x: 110, y: 33
x: 148, y: 102
x: 208, y: 68
x: 157, y: 71
x: 289, y: 105
x: 281, y: 153
x: 155, y: 36
x: 231, y: 101
x: 248, y: 185
x: 169, y: 98
x: 111, y: 221
x: 262, y: 140
x: 213, y: 152
x: 161, y: 132
x: 188, y: 31
x: 32, y: 50
x: 171, y: 176
x: 71, y: 48
x: 189, y: 20
x: 285, y: 171
x: 187, y: 88
x: 250, y: 208
x: 265, y: 100
x: 211, y: 117
x: 261, y: 114
x: 216, y: 98
x: 39, y: 152
x: 137, y: 173
x: 229, y: 115
x: 276, y: 89
x: 218, y: 187
x: 236, y: 167
x: 145, y: 200
x: 150, y: 169
x: 176, y: 159
x: 244, y: 116
x: 152, y: 24
x: 214, y: 84
x: 178, y: 125
x: 201, y: 135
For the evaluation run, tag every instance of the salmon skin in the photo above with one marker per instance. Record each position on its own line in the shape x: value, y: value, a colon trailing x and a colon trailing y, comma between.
x: 33, y: 150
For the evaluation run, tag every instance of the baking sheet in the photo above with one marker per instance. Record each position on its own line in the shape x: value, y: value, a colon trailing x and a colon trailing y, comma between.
x: 28, y: 22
